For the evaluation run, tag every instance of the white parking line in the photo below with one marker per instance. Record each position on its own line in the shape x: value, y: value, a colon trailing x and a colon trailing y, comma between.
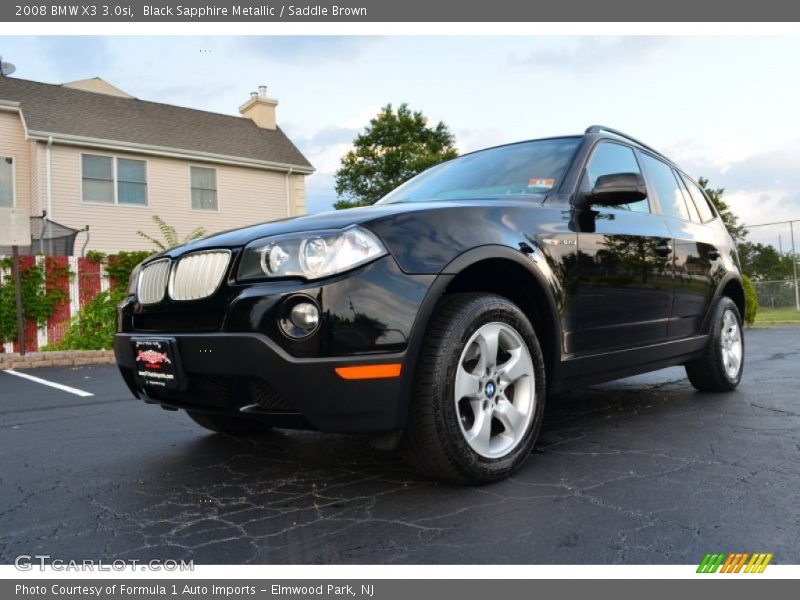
x: 53, y: 384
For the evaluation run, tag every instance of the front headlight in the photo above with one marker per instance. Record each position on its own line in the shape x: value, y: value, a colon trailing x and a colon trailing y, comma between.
x: 310, y: 255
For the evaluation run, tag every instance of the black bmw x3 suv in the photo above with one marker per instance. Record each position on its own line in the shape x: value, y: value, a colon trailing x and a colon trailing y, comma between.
x: 445, y: 314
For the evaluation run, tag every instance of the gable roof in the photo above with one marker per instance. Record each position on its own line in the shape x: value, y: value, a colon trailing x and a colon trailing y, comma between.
x: 97, y: 85
x: 79, y: 116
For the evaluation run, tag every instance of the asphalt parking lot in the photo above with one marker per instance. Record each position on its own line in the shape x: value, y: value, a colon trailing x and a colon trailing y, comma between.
x: 644, y: 470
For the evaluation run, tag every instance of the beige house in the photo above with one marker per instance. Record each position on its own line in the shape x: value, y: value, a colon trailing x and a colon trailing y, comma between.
x: 90, y: 154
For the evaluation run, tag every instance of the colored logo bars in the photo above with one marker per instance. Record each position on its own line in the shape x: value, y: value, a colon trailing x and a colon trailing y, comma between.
x: 735, y: 562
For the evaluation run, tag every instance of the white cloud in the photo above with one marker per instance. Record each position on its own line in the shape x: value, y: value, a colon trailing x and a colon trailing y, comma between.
x: 593, y: 52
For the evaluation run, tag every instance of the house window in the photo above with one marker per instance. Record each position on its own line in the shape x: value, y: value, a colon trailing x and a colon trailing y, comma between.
x: 110, y: 180
x: 131, y: 181
x: 6, y: 181
x: 204, y: 188
x: 98, y: 178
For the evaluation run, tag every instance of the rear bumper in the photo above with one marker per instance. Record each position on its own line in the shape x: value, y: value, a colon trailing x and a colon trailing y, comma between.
x: 248, y: 374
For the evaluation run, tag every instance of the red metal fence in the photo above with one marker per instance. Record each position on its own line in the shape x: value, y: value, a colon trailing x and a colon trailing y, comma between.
x: 85, y: 280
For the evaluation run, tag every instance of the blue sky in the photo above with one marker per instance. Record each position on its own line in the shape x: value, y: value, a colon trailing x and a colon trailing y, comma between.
x: 723, y: 107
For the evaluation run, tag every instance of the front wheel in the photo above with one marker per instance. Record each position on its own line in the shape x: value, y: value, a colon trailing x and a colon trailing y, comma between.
x: 720, y: 367
x: 479, y: 391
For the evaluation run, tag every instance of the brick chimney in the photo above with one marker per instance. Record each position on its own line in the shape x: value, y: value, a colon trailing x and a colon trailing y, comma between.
x: 260, y: 108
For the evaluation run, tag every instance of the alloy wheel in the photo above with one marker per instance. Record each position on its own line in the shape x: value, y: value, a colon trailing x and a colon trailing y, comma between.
x: 731, y: 344
x: 495, y: 394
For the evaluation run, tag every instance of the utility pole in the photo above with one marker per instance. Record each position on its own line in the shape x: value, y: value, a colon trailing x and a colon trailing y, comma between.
x: 794, y: 270
x: 18, y: 298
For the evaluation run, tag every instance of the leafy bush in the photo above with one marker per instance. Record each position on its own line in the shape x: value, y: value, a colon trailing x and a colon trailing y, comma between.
x: 94, y: 326
x: 120, y: 265
x: 39, y: 300
x: 750, y: 300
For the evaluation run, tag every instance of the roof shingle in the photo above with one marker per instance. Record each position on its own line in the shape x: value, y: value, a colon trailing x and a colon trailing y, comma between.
x: 61, y: 110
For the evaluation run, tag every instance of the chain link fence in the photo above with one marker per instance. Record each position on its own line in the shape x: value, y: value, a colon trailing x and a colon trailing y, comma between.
x: 774, y: 271
x: 776, y: 294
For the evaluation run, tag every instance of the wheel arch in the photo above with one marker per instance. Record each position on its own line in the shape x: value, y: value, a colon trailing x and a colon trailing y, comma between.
x: 520, y: 280
x: 734, y: 289
x: 731, y: 287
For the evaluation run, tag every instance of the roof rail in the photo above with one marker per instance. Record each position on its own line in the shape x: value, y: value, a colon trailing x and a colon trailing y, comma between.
x: 603, y: 128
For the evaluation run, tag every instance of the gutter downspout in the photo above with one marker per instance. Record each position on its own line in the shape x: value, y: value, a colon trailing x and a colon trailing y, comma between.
x: 288, y: 195
x: 49, y: 179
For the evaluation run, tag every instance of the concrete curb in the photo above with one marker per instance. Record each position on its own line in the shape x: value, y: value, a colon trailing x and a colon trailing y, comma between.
x: 71, y: 358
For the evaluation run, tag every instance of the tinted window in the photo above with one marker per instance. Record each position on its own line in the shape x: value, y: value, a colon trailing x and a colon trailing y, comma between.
x: 610, y: 159
x: 516, y: 170
x: 666, y: 186
x: 700, y: 201
x: 693, y: 214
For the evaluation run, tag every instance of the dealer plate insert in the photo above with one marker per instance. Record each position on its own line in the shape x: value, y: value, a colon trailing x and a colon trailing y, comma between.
x: 156, y: 362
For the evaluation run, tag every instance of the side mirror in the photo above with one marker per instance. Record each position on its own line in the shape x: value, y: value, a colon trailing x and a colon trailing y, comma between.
x: 617, y: 188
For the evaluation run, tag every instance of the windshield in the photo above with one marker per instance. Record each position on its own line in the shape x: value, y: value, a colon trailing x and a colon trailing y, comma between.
x: 516, y: 170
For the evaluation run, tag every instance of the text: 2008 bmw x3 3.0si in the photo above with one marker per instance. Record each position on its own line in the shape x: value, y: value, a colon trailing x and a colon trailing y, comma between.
x: 450, y: 309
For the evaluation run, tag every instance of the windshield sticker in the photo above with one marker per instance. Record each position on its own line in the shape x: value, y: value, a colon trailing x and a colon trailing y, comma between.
x: 541, y: 183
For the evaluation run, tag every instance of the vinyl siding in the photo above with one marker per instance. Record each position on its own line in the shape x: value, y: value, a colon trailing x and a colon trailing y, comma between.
x: 244, y: 196
x: 299, y: 195
x: 14, y: 144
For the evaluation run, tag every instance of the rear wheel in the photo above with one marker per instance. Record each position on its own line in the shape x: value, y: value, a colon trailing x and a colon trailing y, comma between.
x: 229, y: 425
x: 479, y: 391
x: 720, y: 367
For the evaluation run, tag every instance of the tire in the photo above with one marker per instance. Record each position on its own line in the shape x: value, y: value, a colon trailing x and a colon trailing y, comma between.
x: 229, y: 425
x: 456, y: 354
x: 715, y: 370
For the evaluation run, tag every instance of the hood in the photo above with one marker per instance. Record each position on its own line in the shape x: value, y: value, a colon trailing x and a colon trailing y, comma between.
x: 338, y: 219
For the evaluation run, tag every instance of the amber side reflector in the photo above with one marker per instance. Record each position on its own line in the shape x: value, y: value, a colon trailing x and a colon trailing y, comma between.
x: 370, y: 371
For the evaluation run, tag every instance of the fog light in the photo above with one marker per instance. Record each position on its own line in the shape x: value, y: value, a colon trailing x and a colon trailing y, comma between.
x: 299, y: 317
x: 305, y: 315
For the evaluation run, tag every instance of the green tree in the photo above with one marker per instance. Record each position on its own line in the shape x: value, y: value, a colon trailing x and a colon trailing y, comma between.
x: 395, y: 146
x: 737, y: 230
x: 169, y: 235
x: 763, y: 262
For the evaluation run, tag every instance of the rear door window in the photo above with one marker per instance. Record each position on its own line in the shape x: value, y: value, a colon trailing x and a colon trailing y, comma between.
x: 667, y: 188
x: 693, y: 214
x: 700, y: 201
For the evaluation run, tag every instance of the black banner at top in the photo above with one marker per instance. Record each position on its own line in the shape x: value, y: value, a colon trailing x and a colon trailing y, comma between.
x: 132, y: 11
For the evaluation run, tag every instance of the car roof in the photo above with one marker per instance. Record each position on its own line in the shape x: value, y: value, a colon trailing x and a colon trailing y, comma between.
x: 608, y: 133
x: 599, y: 132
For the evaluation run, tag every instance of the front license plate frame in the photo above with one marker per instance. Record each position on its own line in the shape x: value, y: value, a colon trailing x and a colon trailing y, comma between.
x: 157, y: 363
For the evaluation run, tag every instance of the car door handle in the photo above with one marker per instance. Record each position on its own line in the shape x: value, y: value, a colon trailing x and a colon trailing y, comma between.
x: 663, y: 249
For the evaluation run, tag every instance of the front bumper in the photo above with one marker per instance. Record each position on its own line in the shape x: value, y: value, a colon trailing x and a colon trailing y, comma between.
x: 248, y: 374
x: 236, y: 360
